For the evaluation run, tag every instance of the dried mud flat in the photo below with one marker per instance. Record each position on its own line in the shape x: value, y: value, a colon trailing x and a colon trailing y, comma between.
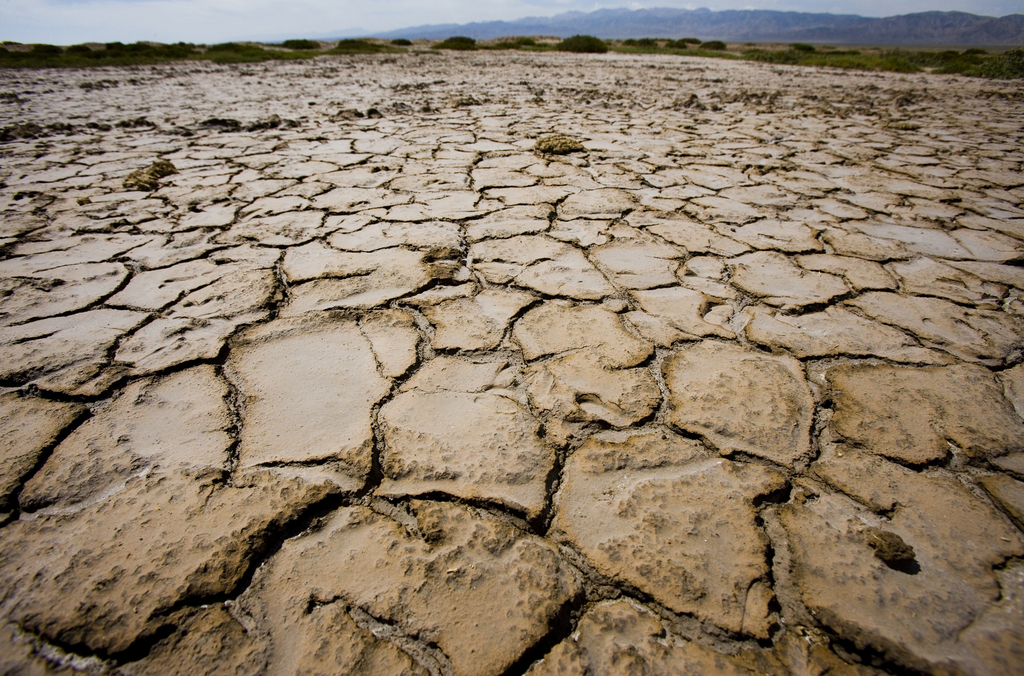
x: 735, y: 389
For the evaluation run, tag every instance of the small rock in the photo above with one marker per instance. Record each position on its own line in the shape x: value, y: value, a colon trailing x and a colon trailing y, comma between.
x: 890, y: 548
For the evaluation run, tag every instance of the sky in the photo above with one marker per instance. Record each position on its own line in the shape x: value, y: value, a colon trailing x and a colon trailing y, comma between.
x: 66, y: 22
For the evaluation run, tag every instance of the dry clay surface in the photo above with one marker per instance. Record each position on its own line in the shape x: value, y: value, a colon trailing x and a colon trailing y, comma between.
x: 734, y: 389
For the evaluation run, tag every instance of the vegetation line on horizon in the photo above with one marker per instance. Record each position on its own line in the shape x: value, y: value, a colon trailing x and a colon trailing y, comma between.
x: 971, y: 62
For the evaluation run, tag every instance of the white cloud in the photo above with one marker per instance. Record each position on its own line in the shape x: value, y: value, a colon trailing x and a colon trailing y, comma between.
x: 71, y: 21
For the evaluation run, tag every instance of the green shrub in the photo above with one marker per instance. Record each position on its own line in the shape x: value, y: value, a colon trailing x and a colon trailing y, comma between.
x: 975, y: 51
x: 898, y: 64
x: 513, y: 43
x: 360, y: 47
x: 584, y: 44
x: 401, y: 42
x: 801, y: 47
x: 232, y: 47
x: 643, y: 44
x: 233, y: 52
x: 1006, y: 66
x: 79, y: 49
x: 689, y: 41
x: 716, y: 45
x: 458, y: 42
x: 46, y: 49
x: 301, y: 44
x: 677, y: 44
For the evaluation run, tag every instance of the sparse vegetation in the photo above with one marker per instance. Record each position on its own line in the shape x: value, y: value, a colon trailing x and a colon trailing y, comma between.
x: 238, y: 52
x: 1005, y: 66
x: 456, y: 42
x: 585, y: 44
x: 110, y: 54
x: 647, y: 44
x: 969, y: 62
x: 528, y: 44
x: 973, y: 62
x: 119, y: 54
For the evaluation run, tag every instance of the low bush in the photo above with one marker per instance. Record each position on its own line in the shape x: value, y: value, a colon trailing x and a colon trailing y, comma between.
x: 111, y: 54
x: 1004, y: 66
x: 401, y: 42
x: 235, y: 52
x: 645, y: 45
x: 458, y: 42
x: 514, y: 43
x: 301, y: 44
x: 360, y: 47
x: 715, y: 45
x: 896, y: 63
x: 221, y: 47
x: 801, y: 47
x: 584, y: 44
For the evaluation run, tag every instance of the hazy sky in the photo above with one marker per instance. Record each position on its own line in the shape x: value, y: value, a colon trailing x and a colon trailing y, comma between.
x: 209, y: 21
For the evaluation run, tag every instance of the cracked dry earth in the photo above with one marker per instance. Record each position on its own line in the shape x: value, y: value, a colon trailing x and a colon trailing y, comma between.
x: 734, y: 390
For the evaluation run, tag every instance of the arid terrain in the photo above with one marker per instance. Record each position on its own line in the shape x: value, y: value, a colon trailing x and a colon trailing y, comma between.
x: 372, y: 385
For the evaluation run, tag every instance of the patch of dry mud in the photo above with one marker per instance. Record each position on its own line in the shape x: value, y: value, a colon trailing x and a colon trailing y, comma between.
x: 733, y: 388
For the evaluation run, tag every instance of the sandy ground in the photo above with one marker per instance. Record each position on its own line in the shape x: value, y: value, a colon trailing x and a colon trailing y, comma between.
x: 735, y: 388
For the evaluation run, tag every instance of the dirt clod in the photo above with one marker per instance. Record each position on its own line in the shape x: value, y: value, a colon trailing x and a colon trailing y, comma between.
x: 149, y: 178
x: 558, y: 145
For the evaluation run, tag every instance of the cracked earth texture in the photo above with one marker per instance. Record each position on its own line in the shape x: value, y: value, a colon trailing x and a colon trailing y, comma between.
x: 734, y: 389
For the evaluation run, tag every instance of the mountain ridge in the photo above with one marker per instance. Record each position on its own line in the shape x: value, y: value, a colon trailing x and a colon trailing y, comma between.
x: 932, y: 28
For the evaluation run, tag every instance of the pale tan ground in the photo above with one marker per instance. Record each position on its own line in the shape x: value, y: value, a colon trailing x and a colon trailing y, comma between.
x: 735, y: 390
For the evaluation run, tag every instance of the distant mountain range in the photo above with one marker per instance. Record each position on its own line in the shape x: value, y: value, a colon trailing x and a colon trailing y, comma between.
x: 925, y: 28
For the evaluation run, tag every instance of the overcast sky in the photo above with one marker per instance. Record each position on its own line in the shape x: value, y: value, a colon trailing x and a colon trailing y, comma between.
x: 208, y: 21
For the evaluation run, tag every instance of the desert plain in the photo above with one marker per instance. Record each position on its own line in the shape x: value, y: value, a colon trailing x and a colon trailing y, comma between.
x: 374, y: 385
